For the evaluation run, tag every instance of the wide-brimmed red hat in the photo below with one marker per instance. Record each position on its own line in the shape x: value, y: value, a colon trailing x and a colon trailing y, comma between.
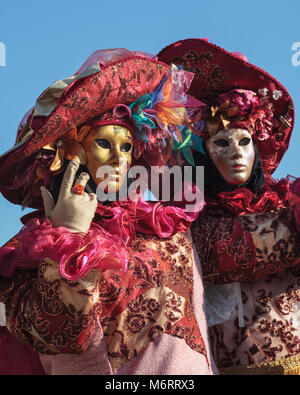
x: 217, y: 71
x: 107, y: 78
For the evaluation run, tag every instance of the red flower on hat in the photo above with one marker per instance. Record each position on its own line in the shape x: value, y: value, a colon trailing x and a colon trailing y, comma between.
x: 239, y: 102
x: 263, y: 124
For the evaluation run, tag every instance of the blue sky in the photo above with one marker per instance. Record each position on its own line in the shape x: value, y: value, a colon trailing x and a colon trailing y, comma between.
x: 49, y: 40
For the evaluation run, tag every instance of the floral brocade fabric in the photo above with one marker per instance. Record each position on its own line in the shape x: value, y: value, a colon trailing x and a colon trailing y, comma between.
x: 154, y: 296
x: 262, y: 252
x: 271, y: 334
x: 245, y: 247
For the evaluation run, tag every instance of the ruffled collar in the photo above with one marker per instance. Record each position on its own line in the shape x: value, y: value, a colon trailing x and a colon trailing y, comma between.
x: 125, y: 218
x: 105, y: 246
x: 271, y: 197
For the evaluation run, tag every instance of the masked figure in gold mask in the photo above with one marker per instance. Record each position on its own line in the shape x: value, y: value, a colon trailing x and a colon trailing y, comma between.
x: 109, y: 145
x: 247, y: 236
x: 101, y: 287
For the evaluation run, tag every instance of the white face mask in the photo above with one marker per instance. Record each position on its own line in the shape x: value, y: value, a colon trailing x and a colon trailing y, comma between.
x: 233, y: 154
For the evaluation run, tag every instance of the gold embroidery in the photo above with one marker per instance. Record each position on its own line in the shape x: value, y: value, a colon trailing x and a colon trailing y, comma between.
x: 152, y: 298
x: 143, y: 320
x: 285, y: 366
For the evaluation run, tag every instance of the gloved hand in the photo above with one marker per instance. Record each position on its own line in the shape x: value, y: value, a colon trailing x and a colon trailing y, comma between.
x: 73, y: 211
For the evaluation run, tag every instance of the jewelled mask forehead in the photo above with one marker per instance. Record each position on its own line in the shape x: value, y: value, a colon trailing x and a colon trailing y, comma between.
x: 117, y: 129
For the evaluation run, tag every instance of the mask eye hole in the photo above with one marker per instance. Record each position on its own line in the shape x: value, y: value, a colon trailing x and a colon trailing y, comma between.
x: 221, y: 143
x: 245, y: 141
x: 126, y: 147
x: 103, y: 143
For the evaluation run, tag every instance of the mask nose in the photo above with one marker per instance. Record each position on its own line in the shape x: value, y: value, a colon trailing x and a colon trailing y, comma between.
x: 115, y: 155
x: 118, y: 161
x: 236, y: 152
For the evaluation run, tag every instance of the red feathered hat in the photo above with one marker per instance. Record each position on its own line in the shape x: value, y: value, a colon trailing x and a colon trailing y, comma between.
x: 107, y: 78
x: 221, y: 76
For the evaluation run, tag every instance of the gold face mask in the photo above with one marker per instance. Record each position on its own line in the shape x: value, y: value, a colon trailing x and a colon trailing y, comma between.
x: 109, y: 145
x: 232, y: 152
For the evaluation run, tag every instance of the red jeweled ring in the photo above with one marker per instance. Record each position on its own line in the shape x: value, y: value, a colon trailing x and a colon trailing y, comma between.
x: 78, y: 189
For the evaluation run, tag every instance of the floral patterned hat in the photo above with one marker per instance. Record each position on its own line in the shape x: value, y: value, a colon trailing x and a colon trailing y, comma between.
x: 151, y: 95
x: 237, y: 94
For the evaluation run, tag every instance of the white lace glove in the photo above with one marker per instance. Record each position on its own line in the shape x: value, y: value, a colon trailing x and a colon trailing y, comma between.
x: 73, y: 211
